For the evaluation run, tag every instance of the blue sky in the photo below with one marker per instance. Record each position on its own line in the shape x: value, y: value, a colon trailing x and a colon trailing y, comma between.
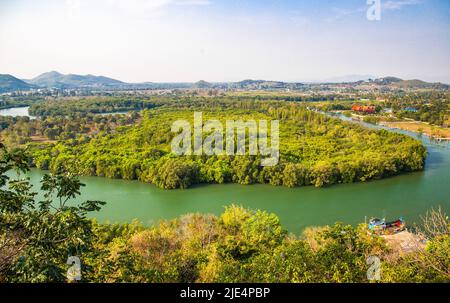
x: 215, y: 40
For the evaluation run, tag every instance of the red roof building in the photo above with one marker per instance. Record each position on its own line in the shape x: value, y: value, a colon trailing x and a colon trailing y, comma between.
x: 364, y: 109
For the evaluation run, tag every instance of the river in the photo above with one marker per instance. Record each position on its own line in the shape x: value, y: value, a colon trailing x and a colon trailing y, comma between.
x: 23, y: 112
x: 16, y: 112
x: 409, y: 195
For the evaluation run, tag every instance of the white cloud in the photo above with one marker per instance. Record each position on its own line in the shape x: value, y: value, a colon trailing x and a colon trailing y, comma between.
x: 340, y: 13
x: 299, y: 20
x: 391, y: 5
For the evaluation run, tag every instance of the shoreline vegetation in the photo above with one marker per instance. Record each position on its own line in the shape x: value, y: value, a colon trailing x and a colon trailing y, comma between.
x: 419, y: 127
x: 314, y: 149
x: 432, y: 131
x: 422, y: 128
x: 240, y: 245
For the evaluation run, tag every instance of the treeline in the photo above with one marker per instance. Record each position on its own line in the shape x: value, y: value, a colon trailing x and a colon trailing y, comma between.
x: 293, y: 98
x: 95, y: 105
x: 81, y: 107
x: 240, y: 245
x: 314, y: 150
x: 431, y: 107
x: 22, y: 101
x: 19, y: 131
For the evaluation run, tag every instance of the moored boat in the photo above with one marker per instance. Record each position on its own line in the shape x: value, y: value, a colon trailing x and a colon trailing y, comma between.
x: 381, y: 227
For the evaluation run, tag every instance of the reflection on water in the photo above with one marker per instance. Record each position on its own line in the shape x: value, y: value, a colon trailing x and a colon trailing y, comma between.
x: 23, y: 112
x: 16, y: 112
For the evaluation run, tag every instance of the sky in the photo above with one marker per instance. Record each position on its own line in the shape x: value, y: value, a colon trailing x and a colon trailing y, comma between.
x: 225, y: 40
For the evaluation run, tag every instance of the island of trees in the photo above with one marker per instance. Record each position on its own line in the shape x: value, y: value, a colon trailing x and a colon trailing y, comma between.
x: 314, y: 149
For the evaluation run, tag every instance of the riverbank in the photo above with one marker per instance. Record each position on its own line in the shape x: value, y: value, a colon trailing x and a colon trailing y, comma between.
x: 420, y: 128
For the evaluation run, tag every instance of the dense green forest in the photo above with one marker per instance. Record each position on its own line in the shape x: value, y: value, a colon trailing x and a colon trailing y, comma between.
x: 38, y: 235
x: 70, y: 106
x: 314, y: 149
x: 19, y: 131
x: 430, y: 106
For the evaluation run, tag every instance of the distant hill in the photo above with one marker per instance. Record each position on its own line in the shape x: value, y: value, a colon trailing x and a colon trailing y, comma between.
x: 10, y: 83
x: 202, y: 84
x: 387, y: 80
x: 248, y: 84
x: 54, y: 79
x: 409, y: 84
x: 349, y: 78
x: 420, y: 84
x: 261, y: 85
x: 57, y: 80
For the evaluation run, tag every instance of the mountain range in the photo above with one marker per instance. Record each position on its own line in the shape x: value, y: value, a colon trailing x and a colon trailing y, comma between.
x: 10, y: 83
x: 53, y: 79
x: 57, y: 80
x: 408, y: 84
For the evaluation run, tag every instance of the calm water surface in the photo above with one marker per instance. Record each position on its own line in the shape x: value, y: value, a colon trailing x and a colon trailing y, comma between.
x: 16, y: 112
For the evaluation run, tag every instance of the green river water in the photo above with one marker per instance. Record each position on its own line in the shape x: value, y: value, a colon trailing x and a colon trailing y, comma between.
x: 408, y: 195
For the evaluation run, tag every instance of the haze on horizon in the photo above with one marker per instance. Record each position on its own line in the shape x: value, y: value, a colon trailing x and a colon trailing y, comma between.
x: 225, y: 40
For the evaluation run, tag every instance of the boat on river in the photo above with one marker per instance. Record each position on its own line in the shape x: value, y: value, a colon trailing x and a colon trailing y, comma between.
x: 381, y: 227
